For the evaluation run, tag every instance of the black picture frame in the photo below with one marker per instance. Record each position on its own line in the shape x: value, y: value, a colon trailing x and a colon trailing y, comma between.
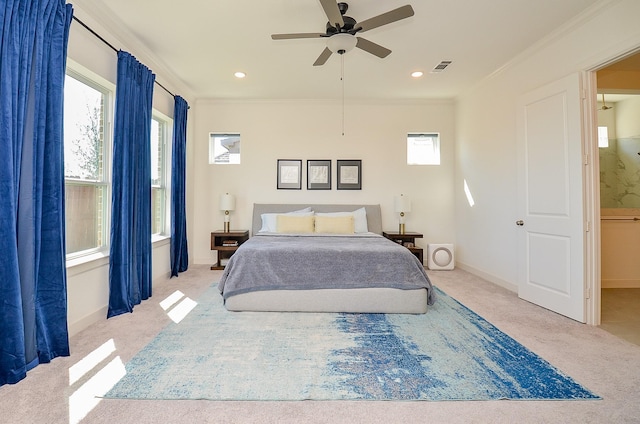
x: 318, y: 174
x: 349, y: 173
x: 289, y: 174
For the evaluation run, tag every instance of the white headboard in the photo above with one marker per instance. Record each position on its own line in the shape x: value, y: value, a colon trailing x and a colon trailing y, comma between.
x: 374, y: 216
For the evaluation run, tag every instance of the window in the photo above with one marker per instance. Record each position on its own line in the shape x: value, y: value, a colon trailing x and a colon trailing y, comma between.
x: 423, y: 149
x: 160, y: 131
x: 224, y: 148
x: 86, y: 106
x: 603, y: 137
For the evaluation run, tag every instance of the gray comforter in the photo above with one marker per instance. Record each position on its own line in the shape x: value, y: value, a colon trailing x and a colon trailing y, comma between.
x: 306, y: 262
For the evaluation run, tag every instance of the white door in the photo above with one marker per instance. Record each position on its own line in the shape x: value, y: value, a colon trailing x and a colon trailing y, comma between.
x: 550, y: 224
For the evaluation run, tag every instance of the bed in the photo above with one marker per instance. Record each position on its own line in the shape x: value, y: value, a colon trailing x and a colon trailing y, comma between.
x: 292, y: 268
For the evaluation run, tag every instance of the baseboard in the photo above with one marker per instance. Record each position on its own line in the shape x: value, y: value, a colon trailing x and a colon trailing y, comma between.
x: 489, y: 277
x: 100, y: 314
x: 162, y: 277
x: 620, y: 284
x: 86, y: 321
x: 204, y: 261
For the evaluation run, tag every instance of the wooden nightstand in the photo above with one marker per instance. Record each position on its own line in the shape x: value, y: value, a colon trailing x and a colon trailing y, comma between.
x: 407, y: 237
x: 226, y: 243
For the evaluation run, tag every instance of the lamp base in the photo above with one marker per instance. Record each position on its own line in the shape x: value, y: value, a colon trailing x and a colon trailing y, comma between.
x: 401, y: 229
x: 226, y: 227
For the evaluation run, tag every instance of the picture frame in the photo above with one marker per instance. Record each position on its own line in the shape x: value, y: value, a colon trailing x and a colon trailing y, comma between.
x: 319, y: 174
x: 289, y: 174
x: 349, y: 173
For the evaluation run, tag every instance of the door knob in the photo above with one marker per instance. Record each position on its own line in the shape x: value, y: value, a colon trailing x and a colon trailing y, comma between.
x: 520, y: 223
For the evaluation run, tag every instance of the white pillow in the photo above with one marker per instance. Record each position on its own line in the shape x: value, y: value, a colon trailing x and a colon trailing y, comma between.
x: 269, y: 224
x: 359, y: 218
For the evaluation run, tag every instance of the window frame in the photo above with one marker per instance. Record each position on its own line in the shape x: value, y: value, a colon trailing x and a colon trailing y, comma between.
x: 434, y: 161
x: 89, y: 78
x: 165, y: 161
x: 213, y: 137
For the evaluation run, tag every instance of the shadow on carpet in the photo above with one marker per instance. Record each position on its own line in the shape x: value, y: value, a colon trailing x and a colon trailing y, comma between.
x: 449, y: 353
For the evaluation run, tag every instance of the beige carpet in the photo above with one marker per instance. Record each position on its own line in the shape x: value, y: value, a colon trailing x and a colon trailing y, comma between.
x: 603, y: 363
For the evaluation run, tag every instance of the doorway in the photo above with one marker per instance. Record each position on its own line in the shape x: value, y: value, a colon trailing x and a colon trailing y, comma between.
x: 618, y: 108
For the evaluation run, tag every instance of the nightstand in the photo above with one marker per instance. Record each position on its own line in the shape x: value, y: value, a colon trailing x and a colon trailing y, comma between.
x: 403, y: 239
x: 226, y: 243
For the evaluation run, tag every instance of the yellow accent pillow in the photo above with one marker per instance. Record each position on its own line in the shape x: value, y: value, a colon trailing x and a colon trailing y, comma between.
x: 335, y: 224
x: 294, y: 224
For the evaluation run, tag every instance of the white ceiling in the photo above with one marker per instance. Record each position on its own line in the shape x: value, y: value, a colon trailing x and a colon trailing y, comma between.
x: 204, y: 42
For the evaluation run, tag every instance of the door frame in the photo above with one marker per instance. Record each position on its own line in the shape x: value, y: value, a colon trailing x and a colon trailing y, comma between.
x: 591, y: 187
x: 591, y: 197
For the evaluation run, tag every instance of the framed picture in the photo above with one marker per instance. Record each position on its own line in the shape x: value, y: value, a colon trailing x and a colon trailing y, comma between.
x: 349, y: 174
x: 289, y: 174
x: 318, y: 175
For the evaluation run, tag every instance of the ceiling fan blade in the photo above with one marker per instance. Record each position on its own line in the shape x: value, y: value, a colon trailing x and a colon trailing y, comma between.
x: 324, y: 56
x: 373, y: 48
x: 386, y: 18
x: 333, y: 12
x: 299, y: 35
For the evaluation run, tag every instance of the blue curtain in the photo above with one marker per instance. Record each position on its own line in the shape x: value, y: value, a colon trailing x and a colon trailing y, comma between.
x: 130, y: 253
x: 179, y: 253
x: 33, y: 280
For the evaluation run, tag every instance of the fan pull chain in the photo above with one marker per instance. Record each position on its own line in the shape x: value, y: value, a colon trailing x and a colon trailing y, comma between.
x: 342, y: 79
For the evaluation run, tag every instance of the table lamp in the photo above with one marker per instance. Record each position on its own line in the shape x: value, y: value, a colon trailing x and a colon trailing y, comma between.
x: 227, y: 204
x: 402, y: 205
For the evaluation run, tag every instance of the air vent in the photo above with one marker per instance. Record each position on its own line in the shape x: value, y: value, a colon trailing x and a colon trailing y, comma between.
x: 441, y: 66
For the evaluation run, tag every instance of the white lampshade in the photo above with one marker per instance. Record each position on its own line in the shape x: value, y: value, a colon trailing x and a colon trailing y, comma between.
x: 227, y: 202
x: 402, y: 204
x: 341, y: 42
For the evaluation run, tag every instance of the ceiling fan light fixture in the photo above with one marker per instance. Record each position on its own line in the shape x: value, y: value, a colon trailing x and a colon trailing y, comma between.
x: 604, y: 104
x: 341, y: 43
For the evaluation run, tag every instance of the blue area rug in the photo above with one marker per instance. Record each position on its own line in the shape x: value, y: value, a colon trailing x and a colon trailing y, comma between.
x: 449, y: 353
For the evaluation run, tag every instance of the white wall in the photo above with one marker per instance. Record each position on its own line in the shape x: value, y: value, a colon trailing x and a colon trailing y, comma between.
x: 486, y: 131
x: 627, y: 118
x: 376, y: 133
x: 88, y: 281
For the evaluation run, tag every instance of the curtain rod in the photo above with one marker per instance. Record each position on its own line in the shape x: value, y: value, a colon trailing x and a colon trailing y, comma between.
x: 114, y: 49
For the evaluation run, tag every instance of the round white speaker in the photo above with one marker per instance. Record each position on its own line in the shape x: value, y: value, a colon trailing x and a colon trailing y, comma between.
x: 440, y: 256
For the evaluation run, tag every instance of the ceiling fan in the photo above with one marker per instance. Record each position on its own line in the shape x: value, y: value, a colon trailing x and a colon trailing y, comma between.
x: 604, y: 104
x: 341, y: 30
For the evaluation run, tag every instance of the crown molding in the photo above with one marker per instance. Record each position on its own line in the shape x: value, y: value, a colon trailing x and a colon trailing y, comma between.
x: 571, y: 25
x: 104, y: 22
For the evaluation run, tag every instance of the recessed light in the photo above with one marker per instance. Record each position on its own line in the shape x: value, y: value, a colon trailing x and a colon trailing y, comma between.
x: 417, y: 74
x: 240, y: 74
